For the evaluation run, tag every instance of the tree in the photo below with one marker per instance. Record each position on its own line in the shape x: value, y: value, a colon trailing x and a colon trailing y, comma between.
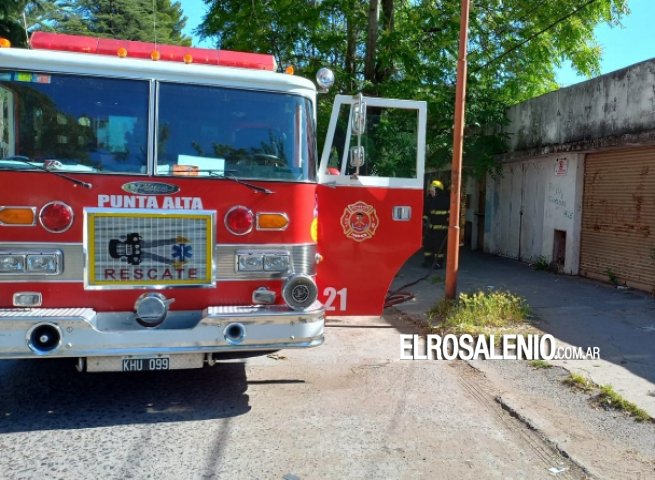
x: 124, y: 19
x: 12, y: 22
x: 409, y: 50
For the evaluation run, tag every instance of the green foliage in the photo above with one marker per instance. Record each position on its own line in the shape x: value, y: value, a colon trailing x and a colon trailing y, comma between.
x: 612, y: 277
x: 123, y: 19
x: 610, y: 399
x: 576, y: 380
x: 607, y: 397
x: 12, y: 24
x: 540, y: 364
x: 541, y: 263
x: 481, y: 313
x: 415, y: 56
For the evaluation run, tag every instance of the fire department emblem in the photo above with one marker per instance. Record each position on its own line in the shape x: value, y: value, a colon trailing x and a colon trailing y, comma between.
x: 359, y: 221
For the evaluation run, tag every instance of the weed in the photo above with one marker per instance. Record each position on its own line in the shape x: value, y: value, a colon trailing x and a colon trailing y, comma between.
x: 610, y: 399
x: 541, y: 263
x: 442, y: 308
x: 480, y: 313
x: 614, y: 280
x: 436, y: 279
x: 539, y: 364
x: 578, y: 381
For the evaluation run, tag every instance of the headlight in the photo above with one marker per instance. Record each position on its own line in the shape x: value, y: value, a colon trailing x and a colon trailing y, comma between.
x: 250, y: 263
x: 31, y: 263
x: 47, y: 264
x: 276, y: 263
x: 268, y: 261
x: 324, y: 79
x: 12, y: 263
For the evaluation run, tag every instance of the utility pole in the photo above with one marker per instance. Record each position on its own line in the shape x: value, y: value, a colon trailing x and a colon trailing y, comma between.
x: 452, y: 256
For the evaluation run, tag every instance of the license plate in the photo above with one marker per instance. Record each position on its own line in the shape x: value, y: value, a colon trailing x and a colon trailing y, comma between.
x: 145, y: 364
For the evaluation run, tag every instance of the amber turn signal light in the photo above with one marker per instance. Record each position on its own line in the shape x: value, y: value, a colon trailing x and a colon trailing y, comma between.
x: 272, y: 221
x: 17, y: 216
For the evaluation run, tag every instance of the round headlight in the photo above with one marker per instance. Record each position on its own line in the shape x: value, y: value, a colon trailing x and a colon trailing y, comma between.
x: 324, y: 79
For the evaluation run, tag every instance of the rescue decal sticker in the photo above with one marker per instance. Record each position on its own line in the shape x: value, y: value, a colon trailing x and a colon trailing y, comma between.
x: 143, y: 249
x: 359, y: 221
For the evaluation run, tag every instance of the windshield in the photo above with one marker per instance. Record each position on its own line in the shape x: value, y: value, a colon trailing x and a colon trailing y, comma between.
x: 73, y: 123
x: 205, y: 131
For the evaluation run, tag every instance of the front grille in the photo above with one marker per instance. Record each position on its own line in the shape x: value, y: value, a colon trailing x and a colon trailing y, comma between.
x: 136, y: 248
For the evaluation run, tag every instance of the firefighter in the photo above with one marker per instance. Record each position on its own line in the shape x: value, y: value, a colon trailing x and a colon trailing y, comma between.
x: 435, y: 224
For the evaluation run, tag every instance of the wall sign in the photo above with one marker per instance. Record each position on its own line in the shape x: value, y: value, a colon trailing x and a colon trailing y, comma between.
x: 561, y: 166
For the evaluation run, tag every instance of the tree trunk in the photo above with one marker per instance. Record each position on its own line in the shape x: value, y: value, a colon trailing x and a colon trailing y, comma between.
x: 383, y: 71
x: 387, y: 12
x: 351, y: 44
x: 372, y: 40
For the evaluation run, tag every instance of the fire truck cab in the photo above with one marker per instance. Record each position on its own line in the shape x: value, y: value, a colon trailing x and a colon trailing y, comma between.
x: 162, y: 207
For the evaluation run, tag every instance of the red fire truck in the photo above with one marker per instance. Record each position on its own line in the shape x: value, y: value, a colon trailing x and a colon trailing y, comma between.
x: 162, y: 207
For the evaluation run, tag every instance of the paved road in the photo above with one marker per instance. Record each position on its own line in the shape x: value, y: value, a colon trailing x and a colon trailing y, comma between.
x: 347, y: 410
x: 576, y: 311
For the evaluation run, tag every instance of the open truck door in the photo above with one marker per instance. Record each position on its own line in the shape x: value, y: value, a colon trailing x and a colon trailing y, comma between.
x: 370, y: 200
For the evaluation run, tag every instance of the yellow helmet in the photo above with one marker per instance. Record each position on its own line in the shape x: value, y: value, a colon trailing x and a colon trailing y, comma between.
x: 436, y: 184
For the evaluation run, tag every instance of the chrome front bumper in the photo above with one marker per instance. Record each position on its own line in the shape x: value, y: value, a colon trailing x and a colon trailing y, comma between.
x: 87, y: 333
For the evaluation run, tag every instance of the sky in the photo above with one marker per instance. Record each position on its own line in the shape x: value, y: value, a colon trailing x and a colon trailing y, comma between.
x: 624, y: 45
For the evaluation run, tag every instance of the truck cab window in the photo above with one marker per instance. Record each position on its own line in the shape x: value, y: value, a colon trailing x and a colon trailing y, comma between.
x: 73, y: 123
x: 214, y: 131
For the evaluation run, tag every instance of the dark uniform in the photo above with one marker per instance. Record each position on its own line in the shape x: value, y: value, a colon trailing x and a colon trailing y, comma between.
x: 435, y: 215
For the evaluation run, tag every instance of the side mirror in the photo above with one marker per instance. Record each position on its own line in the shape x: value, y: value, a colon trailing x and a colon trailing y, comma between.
x: 357, y: 157
x: 358, y: 116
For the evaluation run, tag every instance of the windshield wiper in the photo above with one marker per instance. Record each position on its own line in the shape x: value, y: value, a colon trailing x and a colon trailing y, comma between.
x: 25, y: 160
x: 257, y: 188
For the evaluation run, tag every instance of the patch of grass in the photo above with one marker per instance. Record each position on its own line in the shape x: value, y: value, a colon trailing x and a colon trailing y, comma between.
x: 481, y: 313
x: 611, y: 399
x: 541, y: 263
x: 436, y: 279
x: 576, y: 380
x: 539, y: 364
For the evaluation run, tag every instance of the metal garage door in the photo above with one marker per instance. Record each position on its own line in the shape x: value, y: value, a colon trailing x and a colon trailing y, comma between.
x: 618, y: 218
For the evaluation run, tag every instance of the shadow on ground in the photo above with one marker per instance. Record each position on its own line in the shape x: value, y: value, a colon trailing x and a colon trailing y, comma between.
x: 51, y: 394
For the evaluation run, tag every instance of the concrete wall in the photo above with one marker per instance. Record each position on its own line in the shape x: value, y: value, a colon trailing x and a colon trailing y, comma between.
x: 529, y: 201
x: 532, y: 199
x: 610, y: 110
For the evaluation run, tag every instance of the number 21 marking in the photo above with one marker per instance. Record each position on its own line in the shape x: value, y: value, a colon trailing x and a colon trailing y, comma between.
x: 331, y: 294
